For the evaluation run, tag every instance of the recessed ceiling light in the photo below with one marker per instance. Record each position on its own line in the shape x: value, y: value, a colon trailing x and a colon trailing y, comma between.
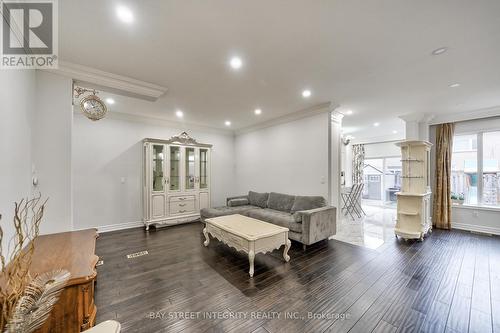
x: 124, y: 14
x: 376, y: 124
x: 439, y: 51
x: 110, y: 101
x: 394, y: 132
x: 235, y: 62
x: 227, y: 123
x: 348, y: 112
x: 258, y: 111
x: 306, y: 93
x: 179, y: 114
x: 454, y: 85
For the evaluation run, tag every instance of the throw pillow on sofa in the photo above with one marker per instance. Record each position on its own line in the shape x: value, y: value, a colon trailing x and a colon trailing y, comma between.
x: 279, y: 201
x: 237, y: 202
x: 307, y: 202
x: 258, y: 199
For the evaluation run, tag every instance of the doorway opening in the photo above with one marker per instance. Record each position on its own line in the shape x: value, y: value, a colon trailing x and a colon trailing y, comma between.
x: 382, y: 179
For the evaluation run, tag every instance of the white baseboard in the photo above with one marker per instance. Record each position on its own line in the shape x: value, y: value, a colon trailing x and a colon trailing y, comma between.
x: 119, y: 226
x: 476, y: 228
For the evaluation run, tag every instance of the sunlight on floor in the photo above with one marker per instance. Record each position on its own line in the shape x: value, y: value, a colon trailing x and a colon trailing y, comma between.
x: 370, y: 231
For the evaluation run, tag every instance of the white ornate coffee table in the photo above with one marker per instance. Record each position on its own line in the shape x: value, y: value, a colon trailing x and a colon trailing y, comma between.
x: 249, y: 235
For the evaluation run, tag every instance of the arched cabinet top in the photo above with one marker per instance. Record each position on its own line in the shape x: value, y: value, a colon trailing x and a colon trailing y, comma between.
x: 180, y: 139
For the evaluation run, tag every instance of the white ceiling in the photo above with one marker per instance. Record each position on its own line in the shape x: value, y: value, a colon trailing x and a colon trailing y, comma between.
x: 373, y: 57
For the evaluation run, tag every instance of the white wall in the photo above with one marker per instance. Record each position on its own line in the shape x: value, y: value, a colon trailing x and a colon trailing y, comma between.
x: 381, y: 149
x: 476, y: 219
x: 347, y: 163
x: 289, y: 158
x: 35, y: 131
x: 17, y: 89
x: 335, y: 166
x: 51, y: 143
x: 109, y: 149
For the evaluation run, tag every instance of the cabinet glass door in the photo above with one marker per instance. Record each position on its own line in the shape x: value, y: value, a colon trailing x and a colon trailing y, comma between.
x: 203, y: 168
x: 190, y: 168
x: 158, y: 163
x: 175, y: 161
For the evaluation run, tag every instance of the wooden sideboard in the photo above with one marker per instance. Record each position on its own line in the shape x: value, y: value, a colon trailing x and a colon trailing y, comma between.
x: 75, y: 252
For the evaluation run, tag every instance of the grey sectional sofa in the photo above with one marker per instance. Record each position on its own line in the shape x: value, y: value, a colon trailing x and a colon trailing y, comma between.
x: 308, y: 217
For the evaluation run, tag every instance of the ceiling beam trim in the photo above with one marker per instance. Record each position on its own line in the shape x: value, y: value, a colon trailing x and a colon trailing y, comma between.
x: 464, y: 116
x: 122, y: 85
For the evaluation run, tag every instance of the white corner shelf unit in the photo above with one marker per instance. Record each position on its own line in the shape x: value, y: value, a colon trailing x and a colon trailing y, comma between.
x: 413, y: 211
x: 176, y: 180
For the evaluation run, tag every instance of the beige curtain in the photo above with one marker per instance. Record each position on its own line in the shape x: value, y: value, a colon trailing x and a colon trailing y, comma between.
x: 442, y: 189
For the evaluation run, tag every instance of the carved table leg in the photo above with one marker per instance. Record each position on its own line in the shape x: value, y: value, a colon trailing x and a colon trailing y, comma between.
x: 251, y: 257
x: 207, y: 239
x: 285, y: 251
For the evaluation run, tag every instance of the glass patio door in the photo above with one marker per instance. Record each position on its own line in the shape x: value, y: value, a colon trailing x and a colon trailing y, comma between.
x: 382, y: 180
x: 392, y: 179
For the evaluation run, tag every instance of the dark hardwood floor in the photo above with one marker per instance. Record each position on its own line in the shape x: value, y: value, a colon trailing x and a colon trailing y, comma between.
x: 448, y: 283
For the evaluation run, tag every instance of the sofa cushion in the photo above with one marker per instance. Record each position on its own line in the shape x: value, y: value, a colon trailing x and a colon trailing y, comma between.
x: 237, y: 202
x: 279, y: 201
x: 258, y: 199
x: 277, y: 217
x: 223, y: 211
x: 307, y: 202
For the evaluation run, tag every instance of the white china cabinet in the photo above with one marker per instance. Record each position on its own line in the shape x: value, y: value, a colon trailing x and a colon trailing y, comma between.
x: 176, y: 180
x: 414, y: 219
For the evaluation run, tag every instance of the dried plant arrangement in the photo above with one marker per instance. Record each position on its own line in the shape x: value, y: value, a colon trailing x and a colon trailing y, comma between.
x: 15, y: 263
x: 33, y: 308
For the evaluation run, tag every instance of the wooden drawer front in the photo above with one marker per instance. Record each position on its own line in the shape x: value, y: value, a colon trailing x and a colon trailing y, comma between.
x: 182, y: 198
x: 182, y: 207
x: 235, y: 241
x: 228, y: 238
x: 270, y: 243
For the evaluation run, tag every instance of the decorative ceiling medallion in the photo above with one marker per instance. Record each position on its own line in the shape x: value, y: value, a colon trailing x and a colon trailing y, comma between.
x: 92, y: 106
x: 184, y: 139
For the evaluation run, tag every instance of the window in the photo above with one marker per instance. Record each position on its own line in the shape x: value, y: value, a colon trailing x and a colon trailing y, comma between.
x: 465, y: 143
x: 475, y: 168
x: 464, y: 168
x: 491, y: 170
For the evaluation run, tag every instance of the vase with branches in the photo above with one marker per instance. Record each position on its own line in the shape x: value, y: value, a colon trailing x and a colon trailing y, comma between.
x: 25, y: 301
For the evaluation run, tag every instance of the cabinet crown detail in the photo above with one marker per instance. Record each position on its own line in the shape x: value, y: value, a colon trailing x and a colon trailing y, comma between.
x: 180, y: 139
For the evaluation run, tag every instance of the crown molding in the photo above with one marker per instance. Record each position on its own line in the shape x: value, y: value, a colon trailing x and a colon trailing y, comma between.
x: 148, y: 120
x: 419, y: 117
x: 464, y: 116
x: 93, y: 78
x: 314, y: 110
